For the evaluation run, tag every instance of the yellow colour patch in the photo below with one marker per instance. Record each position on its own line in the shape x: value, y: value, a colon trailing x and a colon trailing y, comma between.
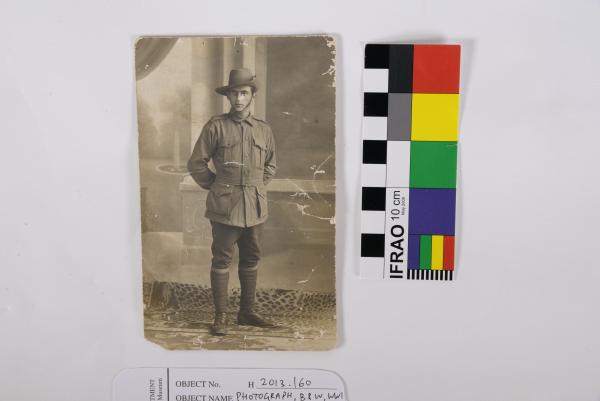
x: 437, y: 252
x: 434, y: 117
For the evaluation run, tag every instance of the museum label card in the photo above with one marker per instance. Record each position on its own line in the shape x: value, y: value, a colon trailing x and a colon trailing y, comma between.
x: 203, y: 384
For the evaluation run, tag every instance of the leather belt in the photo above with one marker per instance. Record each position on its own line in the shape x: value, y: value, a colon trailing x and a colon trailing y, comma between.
x: 246, y: 183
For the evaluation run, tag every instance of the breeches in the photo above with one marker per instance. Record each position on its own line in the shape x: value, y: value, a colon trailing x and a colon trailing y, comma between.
x: 248, y: 240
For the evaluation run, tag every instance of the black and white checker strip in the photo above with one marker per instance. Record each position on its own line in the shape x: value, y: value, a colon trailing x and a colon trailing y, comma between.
x: 387, y: 80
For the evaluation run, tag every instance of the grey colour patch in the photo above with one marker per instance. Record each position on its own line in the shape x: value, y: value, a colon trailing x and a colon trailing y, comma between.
x: 399, y: 116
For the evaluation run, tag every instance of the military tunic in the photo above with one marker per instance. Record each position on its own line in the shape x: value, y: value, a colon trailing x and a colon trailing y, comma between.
x: 243, y: 154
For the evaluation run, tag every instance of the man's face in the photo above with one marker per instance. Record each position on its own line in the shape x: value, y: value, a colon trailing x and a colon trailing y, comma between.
x: 240, y: 97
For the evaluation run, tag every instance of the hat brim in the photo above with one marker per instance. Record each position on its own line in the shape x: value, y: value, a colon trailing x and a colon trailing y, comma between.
x: 222, y: 90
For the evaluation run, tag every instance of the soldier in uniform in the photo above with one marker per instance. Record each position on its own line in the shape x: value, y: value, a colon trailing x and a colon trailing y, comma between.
x: 242, y: 149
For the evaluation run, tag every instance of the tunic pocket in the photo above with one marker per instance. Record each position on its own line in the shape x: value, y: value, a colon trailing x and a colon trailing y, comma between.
x: 228, y: 150
x: 261, y: 201
x: 259, y: 152
x: 218, y: 200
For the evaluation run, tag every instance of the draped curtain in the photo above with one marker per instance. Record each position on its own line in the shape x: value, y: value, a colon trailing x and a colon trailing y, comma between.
x: 149, y: 52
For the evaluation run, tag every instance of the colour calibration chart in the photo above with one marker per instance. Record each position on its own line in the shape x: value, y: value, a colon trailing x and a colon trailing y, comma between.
x: 410, y: 140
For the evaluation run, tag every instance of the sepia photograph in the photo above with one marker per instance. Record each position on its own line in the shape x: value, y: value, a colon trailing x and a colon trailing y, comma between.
x: 237, y: 191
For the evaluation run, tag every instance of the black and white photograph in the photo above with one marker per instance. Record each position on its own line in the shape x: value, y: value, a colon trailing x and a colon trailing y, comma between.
x: 237, y: 181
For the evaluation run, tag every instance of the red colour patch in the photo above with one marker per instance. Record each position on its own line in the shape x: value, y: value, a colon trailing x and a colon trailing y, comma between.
x: 436, y: 69
x: 448, y: 252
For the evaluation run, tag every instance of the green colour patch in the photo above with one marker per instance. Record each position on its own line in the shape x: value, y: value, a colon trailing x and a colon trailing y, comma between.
x: 425, y: 252
x: 433, y: 164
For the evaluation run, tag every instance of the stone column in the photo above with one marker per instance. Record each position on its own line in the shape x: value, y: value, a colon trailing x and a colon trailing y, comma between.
x: 206, y: 76
x: 260, y: 69
x: 248, y: 49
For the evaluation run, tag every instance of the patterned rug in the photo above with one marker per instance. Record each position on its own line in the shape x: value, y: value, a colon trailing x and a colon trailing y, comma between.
x: 178, y: 316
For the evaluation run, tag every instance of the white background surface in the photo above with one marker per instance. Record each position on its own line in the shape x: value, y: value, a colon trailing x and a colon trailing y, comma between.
x: 521, y: 322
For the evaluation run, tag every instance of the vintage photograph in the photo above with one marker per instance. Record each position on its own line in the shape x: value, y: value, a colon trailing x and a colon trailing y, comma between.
x: 237, y: 181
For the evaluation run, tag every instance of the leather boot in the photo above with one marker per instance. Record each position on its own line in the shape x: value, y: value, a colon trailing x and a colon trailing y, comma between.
x: 219, y: 281
x: 247, y: 316
x: 219, y: 327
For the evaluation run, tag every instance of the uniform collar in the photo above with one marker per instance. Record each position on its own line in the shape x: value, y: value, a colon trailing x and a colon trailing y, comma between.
x: 249, y: 119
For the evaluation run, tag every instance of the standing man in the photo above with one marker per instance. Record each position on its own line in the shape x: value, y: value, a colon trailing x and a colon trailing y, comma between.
x: 242, y: 149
